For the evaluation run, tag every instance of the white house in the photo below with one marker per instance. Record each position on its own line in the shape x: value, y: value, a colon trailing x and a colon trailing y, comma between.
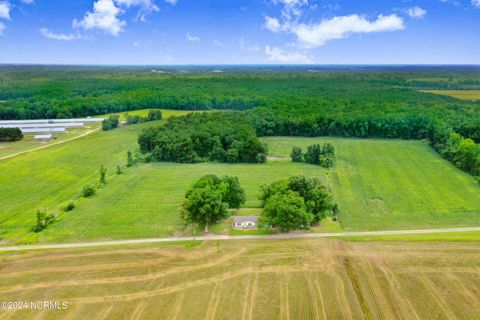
x: 245, y: 222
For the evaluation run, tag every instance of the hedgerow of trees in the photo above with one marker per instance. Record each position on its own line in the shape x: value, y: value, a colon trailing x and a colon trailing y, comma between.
x: 223, y: 137
x: 209, y: 199
x: 316, y: 154
x: 296, y: 203
x: 153, y: 115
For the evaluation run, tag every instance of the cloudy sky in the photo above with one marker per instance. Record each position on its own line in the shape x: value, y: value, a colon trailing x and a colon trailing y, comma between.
x: 240, y: 31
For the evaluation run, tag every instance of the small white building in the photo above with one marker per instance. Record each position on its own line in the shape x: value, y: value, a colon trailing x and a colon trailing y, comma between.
x: 245, y: 222
x: 43, y: 137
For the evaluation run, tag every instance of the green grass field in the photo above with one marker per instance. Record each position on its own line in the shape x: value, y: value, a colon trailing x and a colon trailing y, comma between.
x: 394, y: 184
x: 145, y: 201
x: 50, y: 177
x: 27, y: 143
x: 378, y: 184
x: 459, y: 94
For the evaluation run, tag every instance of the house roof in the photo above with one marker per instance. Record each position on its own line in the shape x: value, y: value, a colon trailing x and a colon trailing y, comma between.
x: 240, y: 219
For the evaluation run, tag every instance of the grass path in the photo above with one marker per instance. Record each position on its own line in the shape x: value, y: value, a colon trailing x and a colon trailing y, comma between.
x: 247, y: 237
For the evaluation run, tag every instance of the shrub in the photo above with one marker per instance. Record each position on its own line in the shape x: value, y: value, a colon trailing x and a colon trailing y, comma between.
x: 69, y: 207
x: 88, y: 191
x: 297, y: 154
x: 43, y: 221
x: 110, y: 123
x: 154, y: 115
x: 103, y: 173
x: 130, y: 160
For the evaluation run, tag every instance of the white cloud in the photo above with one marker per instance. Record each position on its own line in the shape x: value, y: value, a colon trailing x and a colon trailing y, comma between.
x: 5, y: 9
x: 2, y: 28
x: 276, y: 54
x: 291, y: 8
x: 192, y: 38
x: 417, y: 12
x: 173, y: 2
x: 104, y: 17
x: 58, y: 36
x: 28, y: 1
x: 476, y: 3
x: 272, y: 24
x: 146, y: 7
x: 316, y: 35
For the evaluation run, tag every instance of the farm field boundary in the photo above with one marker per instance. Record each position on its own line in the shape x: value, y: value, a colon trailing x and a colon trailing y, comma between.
x: 246, y: 237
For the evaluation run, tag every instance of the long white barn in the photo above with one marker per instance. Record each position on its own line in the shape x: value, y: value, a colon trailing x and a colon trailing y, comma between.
x: 44, y: 125
x: 43, y: 130
x: 51, y: 121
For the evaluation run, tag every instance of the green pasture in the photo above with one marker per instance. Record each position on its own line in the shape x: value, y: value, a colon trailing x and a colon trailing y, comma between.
x: 50, y: 177
x: 393, y: 184
x: 145, y: 201
x: 378, y: 184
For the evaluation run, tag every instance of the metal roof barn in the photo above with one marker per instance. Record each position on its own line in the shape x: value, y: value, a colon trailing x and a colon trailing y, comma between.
x: 43, y: 130
x: 47, y: 121
x: 43, y: 125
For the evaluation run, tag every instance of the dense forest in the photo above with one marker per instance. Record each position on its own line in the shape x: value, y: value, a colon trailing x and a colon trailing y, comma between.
x: 221, y: 136
x: 383, y: 102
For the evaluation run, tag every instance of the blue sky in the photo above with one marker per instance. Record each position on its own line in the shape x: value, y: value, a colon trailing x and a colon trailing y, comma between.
x: 240, y: 31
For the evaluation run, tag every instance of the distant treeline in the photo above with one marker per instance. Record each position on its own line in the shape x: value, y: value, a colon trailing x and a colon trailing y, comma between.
x: 223, y: 137
x: 346, y: 98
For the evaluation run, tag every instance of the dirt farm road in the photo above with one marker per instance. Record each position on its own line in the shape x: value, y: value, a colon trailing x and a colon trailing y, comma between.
x: 224, y: 237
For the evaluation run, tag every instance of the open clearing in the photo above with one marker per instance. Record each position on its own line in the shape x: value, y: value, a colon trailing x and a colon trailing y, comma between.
x: 278, y: 279
x: 28, y: 144
x: 459, y: 94
x: 51, y: 177
x: 378, y: 185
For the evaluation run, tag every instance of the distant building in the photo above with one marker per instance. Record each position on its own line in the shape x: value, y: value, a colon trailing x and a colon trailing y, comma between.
x: 44, y: 125
x: 42, y: 130
x: 43, y: 137
x: 245, y: 222
x: 51, y: 121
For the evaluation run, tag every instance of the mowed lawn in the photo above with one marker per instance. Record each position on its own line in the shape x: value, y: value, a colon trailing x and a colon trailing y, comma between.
x: 459, y: 94
x: 277, y: 279
x: 394, y: 184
